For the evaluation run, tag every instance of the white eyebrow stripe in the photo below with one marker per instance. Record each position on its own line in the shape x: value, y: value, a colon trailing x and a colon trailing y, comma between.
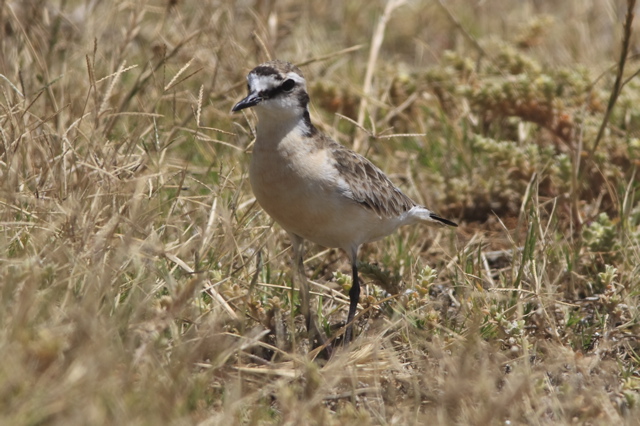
x: 258, y: 83
x: 296, y: 77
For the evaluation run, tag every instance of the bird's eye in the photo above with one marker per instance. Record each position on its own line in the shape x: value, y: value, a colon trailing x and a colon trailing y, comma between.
x: 288, y: 85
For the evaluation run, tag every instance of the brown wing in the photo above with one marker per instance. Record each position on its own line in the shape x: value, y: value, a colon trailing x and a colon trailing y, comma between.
x: 368, y: 184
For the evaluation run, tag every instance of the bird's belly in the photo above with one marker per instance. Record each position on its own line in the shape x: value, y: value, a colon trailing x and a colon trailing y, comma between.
x: 314, y: 209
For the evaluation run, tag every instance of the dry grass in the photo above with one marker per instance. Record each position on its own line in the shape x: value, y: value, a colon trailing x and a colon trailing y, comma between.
x: 140, y: 283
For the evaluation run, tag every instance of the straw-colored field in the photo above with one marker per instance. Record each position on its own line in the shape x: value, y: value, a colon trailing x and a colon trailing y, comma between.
x: 140, y: 283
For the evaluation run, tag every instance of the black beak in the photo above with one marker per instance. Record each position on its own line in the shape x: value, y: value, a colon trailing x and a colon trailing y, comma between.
x: 249, y: 101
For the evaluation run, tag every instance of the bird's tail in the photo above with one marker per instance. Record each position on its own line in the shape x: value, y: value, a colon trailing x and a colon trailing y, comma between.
x: 429, y: 217
x: 443, y: 220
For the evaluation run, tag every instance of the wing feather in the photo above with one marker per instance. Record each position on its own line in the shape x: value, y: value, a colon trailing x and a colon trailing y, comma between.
x: 367, y: 184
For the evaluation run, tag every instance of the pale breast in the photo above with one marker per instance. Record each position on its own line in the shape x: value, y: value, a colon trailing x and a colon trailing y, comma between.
x: 301, y: 190
x: 292, y: 184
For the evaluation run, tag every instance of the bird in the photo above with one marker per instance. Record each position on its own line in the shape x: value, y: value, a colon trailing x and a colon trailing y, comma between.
x: 315, y: 188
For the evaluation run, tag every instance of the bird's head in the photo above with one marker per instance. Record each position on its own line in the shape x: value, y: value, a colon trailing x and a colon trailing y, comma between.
x: 275, y: 86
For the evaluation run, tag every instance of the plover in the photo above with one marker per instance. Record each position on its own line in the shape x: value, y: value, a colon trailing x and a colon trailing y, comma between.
x: 315, y: 188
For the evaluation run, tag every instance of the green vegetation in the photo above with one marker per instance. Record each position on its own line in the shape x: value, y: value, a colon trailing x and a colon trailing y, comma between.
x: 141, y: 284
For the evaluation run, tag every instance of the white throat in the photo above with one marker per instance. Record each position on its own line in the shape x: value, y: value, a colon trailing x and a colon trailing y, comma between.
x: 275, y: 125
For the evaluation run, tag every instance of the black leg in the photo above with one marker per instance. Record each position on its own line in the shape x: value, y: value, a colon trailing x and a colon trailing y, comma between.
x: 354, y: 297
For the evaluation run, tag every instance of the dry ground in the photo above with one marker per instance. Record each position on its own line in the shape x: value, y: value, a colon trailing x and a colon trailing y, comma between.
x: 141, y: 284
